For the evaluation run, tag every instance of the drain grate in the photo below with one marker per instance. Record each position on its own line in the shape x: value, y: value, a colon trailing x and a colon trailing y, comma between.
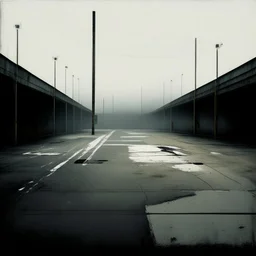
x: 81, y: 161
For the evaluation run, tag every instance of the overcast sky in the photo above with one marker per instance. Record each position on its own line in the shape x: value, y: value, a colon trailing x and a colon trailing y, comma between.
x: 138, y: 44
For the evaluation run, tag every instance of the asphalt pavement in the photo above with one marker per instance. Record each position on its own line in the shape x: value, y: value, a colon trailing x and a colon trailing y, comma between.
x: 138, y: 189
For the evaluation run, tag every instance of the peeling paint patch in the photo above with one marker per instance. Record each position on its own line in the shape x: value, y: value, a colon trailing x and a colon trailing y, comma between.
x: 208, y: 218
x: 41, y: 154
x: 216, y: 153
x: 187, y: 167
x: 152, y: 154
x: 133, y: 136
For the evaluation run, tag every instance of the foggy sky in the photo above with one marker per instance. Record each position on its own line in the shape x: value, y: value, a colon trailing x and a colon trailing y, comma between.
x: 138, y: 44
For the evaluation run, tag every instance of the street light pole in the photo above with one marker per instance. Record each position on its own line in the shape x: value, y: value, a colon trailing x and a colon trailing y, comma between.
x: 93, y: 67
x: 73, y: 103
x: 194, y: 103
x: 66, y: 67
x: 66, y: 105
x: 170, y: 90
x: 78, y: 98
x: 16, y: 89
x: 141, y: 100
x: 112, y: 104
x: 181, y: 83
x: 54, y: 97
x: 217, y: 46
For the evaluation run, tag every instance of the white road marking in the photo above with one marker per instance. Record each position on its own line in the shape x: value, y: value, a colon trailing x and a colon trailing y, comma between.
x: 114, y: 145
x: 188, y: 167
x: 128, y: 137
x: 41, y: 154
x: 30, y: 182
x: 152, y: 154
x: 157, y: 159
x: 125, y: 140
x: 216, y: 153
x: 192, y: 229
x: 101, y: 143
x: 91, y: 145
x: 20, y: 189
x: 61, y: 164
x: 136, y: 133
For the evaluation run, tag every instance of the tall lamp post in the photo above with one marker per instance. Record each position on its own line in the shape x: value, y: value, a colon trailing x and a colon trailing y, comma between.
x: 217, y: 46
x: 181, y: 84
x: 54, y: 96
x: 194, y: 101
x: 73, y: 104
x: 66, y: 67
x: 17, y: 26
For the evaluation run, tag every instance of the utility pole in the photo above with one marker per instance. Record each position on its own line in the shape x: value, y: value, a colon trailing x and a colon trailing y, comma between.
x: 112, y: 104
x: 54, y: 97
x: 141, y: 100
x: 73, y: 103
x: 16, y: 89
x: 66, y: 105
x: 93, y: 68
x: 194, y: 103
x: 217, y: 46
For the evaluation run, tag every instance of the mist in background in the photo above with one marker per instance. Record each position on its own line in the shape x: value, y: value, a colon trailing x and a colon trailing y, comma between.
x: 140, y: 46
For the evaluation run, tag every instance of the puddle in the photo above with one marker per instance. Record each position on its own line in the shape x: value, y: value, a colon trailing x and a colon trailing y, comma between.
x: 208, y: 217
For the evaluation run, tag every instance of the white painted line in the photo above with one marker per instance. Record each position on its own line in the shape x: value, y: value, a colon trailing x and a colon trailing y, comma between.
x: 91, y: 145
x: 188, y: 167
x: 156, y: 159
x: 101, y: 143
x: 30, y: 182
x: 114, y: 145
x: 216, y: 153
x: 125, y: 140
x: 20, y: 189
x: 128, y: 137
x: 61, y: 164
x: 136, y: 133
x: 41, y: 154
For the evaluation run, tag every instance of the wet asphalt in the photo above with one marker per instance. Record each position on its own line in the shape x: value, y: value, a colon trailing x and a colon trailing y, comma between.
x: 81, y: 192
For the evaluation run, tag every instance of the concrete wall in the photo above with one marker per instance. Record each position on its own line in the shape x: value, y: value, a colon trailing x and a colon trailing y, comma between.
x: 35, y: 107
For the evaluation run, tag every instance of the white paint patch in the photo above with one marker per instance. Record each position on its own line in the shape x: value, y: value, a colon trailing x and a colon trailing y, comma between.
x: 201, y: 227
x: 129, y: 137
x: 101, y: 143
x: 216, y: 153
x: 125, y: 140
x: 156, y: 159
x: 188, y: 167
x: 179, y: 153
x: 143, y: 148
x: 61, y: 164
x: 30, y: 182
x: 152, y: 154
x: 20, y: 189
x: 136, y: 133
x: 41, y: 154
x: 91, y: 145
x: 114, y: 145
